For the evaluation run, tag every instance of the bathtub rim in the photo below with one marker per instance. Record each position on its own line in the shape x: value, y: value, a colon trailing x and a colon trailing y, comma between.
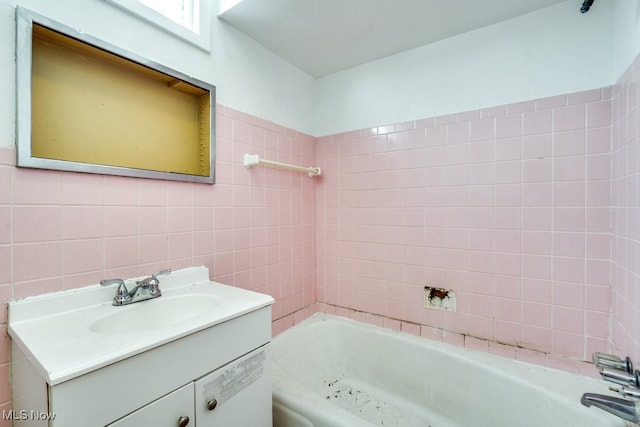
x: 548, y: 380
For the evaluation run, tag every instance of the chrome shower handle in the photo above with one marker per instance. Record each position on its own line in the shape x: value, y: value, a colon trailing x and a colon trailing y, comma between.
x: 604, y: 360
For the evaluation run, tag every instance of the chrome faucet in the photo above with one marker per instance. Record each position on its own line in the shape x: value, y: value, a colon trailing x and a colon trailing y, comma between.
x: 145, y: 289
x: 625, y: 409
x: 618, y: 371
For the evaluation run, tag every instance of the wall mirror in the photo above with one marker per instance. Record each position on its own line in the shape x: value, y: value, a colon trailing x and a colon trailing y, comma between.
x: 84, y: 105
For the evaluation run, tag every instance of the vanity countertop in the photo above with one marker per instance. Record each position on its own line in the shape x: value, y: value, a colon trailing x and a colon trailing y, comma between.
x: 70, y: 333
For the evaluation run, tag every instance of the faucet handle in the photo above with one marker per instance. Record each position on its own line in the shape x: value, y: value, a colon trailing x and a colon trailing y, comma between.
x: 122, y: 288
x: 152, y: 283
x: 122, y: 294
x: 620, y: 377
x: 161, y: 272
x: 107, y: 282
x: 604, y: 360
x: 153, y: 279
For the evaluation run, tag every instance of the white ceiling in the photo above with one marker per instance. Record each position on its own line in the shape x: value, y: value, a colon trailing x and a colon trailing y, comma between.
x: 325, y: 36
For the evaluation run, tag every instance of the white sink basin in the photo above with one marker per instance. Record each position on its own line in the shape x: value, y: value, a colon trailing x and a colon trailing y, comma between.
x: 161, y: 312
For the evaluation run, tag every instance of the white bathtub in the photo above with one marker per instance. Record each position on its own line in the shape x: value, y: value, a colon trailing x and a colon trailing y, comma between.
x: 331, y: 372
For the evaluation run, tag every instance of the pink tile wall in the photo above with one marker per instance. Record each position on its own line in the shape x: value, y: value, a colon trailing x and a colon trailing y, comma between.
x: 626, y: 214
x: 509, y: 206
x: 255, y: 228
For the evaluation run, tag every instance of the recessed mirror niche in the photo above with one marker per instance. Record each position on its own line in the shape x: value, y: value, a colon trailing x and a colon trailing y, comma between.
x: 87, y: 106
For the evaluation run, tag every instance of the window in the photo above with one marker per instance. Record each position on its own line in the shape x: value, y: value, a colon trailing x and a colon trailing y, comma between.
x: 184, y: 12
x: 187, y: 19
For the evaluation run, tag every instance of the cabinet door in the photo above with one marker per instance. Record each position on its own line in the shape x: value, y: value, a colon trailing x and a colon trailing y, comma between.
x: 168, y: 411
x: 237, y: 394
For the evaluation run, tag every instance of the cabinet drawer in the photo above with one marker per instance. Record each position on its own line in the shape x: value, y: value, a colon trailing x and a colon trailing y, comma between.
x: 164, y: 412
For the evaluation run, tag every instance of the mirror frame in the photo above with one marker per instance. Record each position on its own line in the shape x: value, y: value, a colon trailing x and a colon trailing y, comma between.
x: 25, y: 20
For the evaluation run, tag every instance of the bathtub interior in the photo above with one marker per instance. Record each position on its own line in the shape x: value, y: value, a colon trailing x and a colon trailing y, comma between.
x: 387, y: 378
x: 328, y: 392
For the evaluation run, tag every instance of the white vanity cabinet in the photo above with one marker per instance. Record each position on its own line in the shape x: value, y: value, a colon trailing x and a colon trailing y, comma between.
x: 237, y: 394
x: 213, y: 370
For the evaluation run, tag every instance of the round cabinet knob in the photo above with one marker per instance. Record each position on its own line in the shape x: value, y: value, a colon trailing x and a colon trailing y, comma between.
x: 211, y: 405
x: 183, y: 421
